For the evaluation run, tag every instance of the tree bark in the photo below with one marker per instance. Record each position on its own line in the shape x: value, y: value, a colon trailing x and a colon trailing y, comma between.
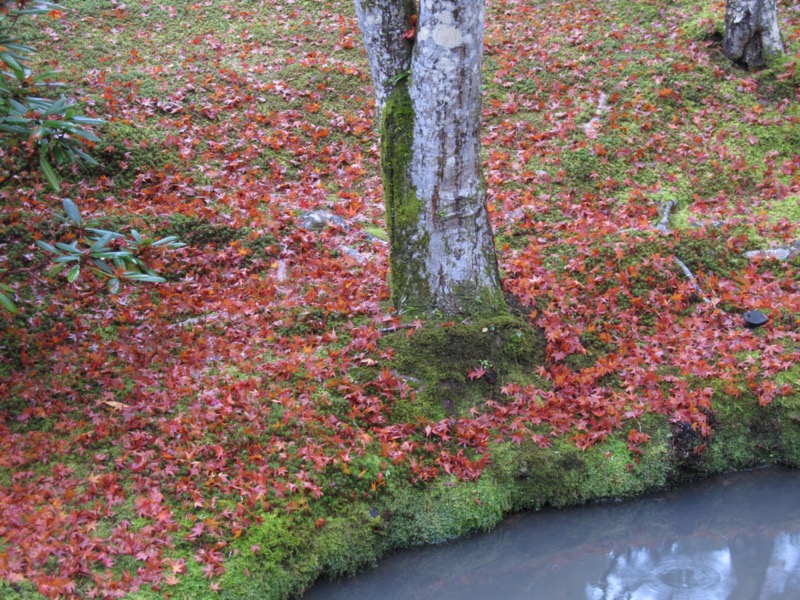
x: 442, y: 255
x: 751, y: 32
x: 383, y: 24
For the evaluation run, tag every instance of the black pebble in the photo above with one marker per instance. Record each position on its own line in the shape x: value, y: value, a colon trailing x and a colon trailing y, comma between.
x: 754, y: 318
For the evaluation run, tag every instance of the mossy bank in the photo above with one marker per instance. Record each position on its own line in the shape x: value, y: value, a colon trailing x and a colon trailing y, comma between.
x: 285, y: 553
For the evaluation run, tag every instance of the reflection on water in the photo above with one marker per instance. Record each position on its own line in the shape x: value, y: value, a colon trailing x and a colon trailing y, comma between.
x: 735, y: 537
x: 783, y: 573
x: 674, y: 572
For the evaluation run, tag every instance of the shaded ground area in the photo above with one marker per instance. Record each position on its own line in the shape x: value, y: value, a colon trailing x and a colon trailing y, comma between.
x: 264, y: 418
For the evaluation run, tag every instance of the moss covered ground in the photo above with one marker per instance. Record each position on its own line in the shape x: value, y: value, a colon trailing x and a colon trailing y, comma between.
x: 264, y: 418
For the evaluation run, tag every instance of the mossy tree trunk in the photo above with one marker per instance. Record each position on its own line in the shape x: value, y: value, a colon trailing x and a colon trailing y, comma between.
x: 752, y: 33
x: 442, y: 255
x: 383, y: 24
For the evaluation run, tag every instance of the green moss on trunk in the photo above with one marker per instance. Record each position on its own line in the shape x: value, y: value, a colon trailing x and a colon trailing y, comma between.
x: 408, y: 284
x: 412, y: 284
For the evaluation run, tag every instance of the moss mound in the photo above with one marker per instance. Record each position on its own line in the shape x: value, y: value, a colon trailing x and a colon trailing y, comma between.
x: 443, y: 359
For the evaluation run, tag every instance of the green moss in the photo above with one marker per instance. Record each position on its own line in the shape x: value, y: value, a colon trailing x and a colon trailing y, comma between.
x: 19, y: 591
x: 377, y: 232
x: 403, y: 207
x: 779, y: 141
x: 790, y: 421
x: 527, y: 476
x: 595, y: 349
x: 788, y: 208
x: 445, y: 510
x: 790, y: 377
x: 341, y: 90
x: 680, y: 218
x: 261, y: 246
x: 18, y: 242
x: 781, y: 77
x: 198, y: 232
x: 129, y: 150
x: 441, y: 357
x: 562, y: 475
x: 708, y: 22
x: 350, y: 541
x: 272, y: 560
x: 581, y: 165
x: 124, y: 222
x: 192, y: 584
x: 283, y: 555
x: 108, y: 332
x: 745, y: 435
x: 715, y: 251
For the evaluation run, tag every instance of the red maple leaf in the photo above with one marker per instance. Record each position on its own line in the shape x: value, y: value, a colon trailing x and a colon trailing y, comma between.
x: 411, y: 32
x: 476, y: 373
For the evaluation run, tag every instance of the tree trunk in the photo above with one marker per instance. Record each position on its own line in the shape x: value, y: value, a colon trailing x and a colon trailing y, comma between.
x: 383, y: 24
x: 751, y: 32
x: 442, y: 254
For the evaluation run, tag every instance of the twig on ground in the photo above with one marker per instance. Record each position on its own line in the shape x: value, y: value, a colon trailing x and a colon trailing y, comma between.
x: 36, y: 267
x: 394, y: 328
x: 690, y: 277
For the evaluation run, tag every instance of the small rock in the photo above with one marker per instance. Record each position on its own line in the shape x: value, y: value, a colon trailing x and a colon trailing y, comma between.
x: 516, y: 215
x: 281, y: 271
x: 318, y: 219
x: 354, y: 254
x: 754, y: 318
x: 776, y: 253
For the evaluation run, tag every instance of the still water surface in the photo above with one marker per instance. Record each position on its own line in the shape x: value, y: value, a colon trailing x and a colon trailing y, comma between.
x: 735, y: 537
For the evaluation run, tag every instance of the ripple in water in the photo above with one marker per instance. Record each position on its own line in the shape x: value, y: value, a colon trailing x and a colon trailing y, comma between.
x: 676, y: 573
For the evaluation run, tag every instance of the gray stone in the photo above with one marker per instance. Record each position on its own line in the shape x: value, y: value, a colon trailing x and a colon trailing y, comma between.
x: 354, y: 254
x: 319, y: 219
x: 776, y: 253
